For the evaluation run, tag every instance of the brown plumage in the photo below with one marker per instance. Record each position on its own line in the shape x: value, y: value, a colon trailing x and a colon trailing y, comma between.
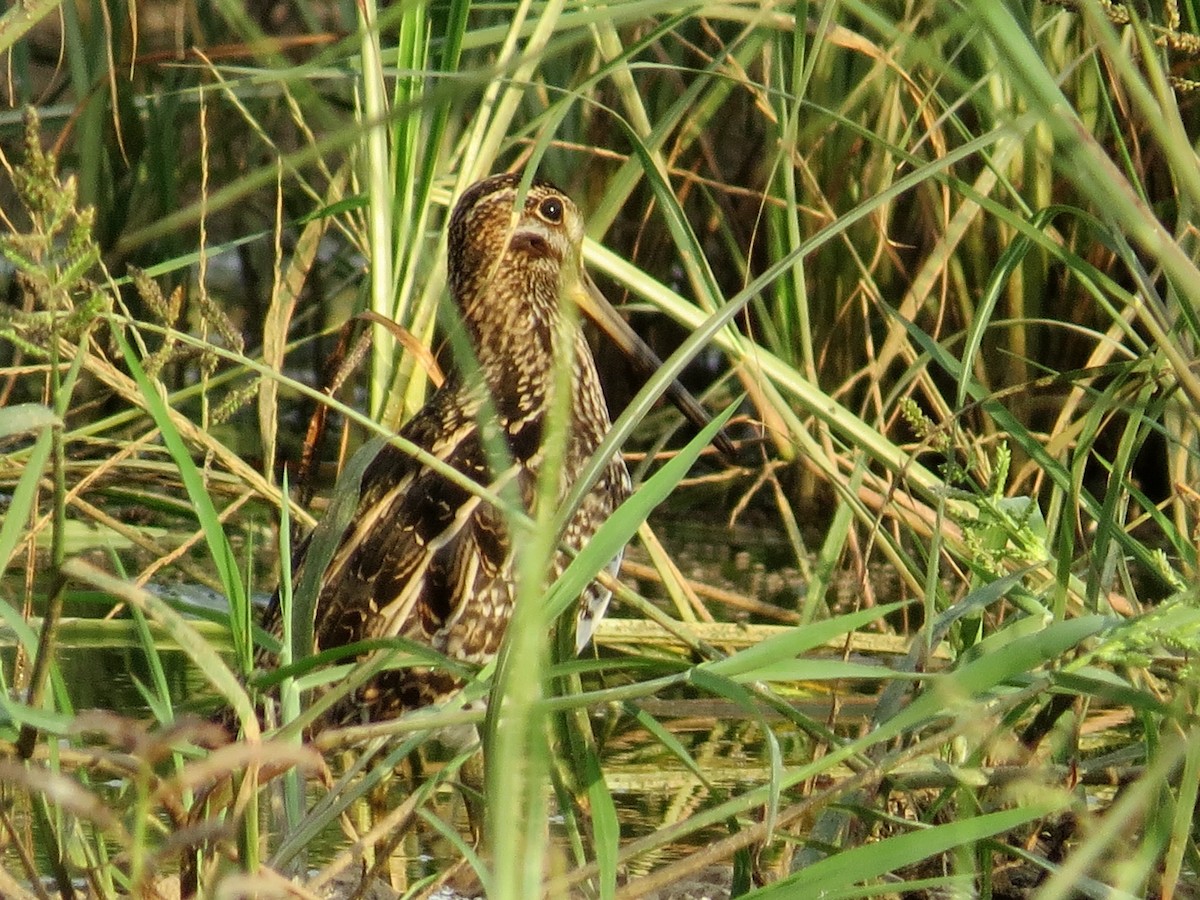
x: 423, y: 558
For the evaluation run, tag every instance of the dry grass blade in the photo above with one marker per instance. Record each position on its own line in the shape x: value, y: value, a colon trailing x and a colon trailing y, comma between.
x: 64, y: 792
x: 270, y: 758
x: 194, y: 435
x: 285, y: 294
x: 943, y: 263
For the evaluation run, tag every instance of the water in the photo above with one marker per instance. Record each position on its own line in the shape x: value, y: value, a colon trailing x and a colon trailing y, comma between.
x: 651, y: 787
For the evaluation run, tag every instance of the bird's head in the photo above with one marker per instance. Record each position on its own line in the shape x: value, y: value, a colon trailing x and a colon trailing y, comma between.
x: 515, y: 257
x: 512, y: 257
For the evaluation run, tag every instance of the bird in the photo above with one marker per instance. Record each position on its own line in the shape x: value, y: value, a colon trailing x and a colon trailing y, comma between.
x: 424, y: 558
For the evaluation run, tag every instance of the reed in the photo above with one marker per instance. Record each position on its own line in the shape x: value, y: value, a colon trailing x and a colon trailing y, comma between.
x: 938, y: 257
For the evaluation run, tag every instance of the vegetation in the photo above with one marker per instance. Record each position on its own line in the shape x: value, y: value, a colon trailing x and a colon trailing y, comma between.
x: 937, y: 260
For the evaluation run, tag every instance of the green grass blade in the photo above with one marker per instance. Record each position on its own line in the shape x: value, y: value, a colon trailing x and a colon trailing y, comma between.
x: 858, y: 865
x: 214, y: 532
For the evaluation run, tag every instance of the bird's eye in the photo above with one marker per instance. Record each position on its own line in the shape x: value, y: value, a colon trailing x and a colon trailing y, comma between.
x: 551, y: 209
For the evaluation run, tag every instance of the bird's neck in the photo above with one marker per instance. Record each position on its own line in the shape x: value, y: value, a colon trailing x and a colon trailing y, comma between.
x: 529, y: 367
x: 523, y: 380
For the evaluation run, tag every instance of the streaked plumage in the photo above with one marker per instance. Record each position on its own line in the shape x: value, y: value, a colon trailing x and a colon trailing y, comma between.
x: 424, y: 558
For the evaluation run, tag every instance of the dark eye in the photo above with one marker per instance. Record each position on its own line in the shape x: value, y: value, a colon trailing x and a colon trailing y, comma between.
x: 551, y: 209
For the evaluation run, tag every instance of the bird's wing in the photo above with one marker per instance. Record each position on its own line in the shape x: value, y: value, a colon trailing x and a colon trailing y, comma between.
x: 421, y: 547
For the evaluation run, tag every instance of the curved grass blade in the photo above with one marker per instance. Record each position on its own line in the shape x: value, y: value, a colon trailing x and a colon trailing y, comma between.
x: 857, y: 865
x: 621, y: 526
x: 21, y: 502
x: 789, y: 645
x: 198, y: 649
x: 214, y: 533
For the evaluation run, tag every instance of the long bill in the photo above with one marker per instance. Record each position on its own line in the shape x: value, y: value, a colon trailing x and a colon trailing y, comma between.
x: 600, y: 311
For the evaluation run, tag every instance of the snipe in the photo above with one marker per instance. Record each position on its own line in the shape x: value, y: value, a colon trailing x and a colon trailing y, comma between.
x: 425, y: 559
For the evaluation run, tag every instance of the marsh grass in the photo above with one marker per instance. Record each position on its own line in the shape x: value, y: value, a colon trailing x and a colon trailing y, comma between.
x: 943, y: 256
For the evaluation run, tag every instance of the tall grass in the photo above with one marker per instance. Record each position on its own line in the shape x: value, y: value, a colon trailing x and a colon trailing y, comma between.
x: 939, y: 257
